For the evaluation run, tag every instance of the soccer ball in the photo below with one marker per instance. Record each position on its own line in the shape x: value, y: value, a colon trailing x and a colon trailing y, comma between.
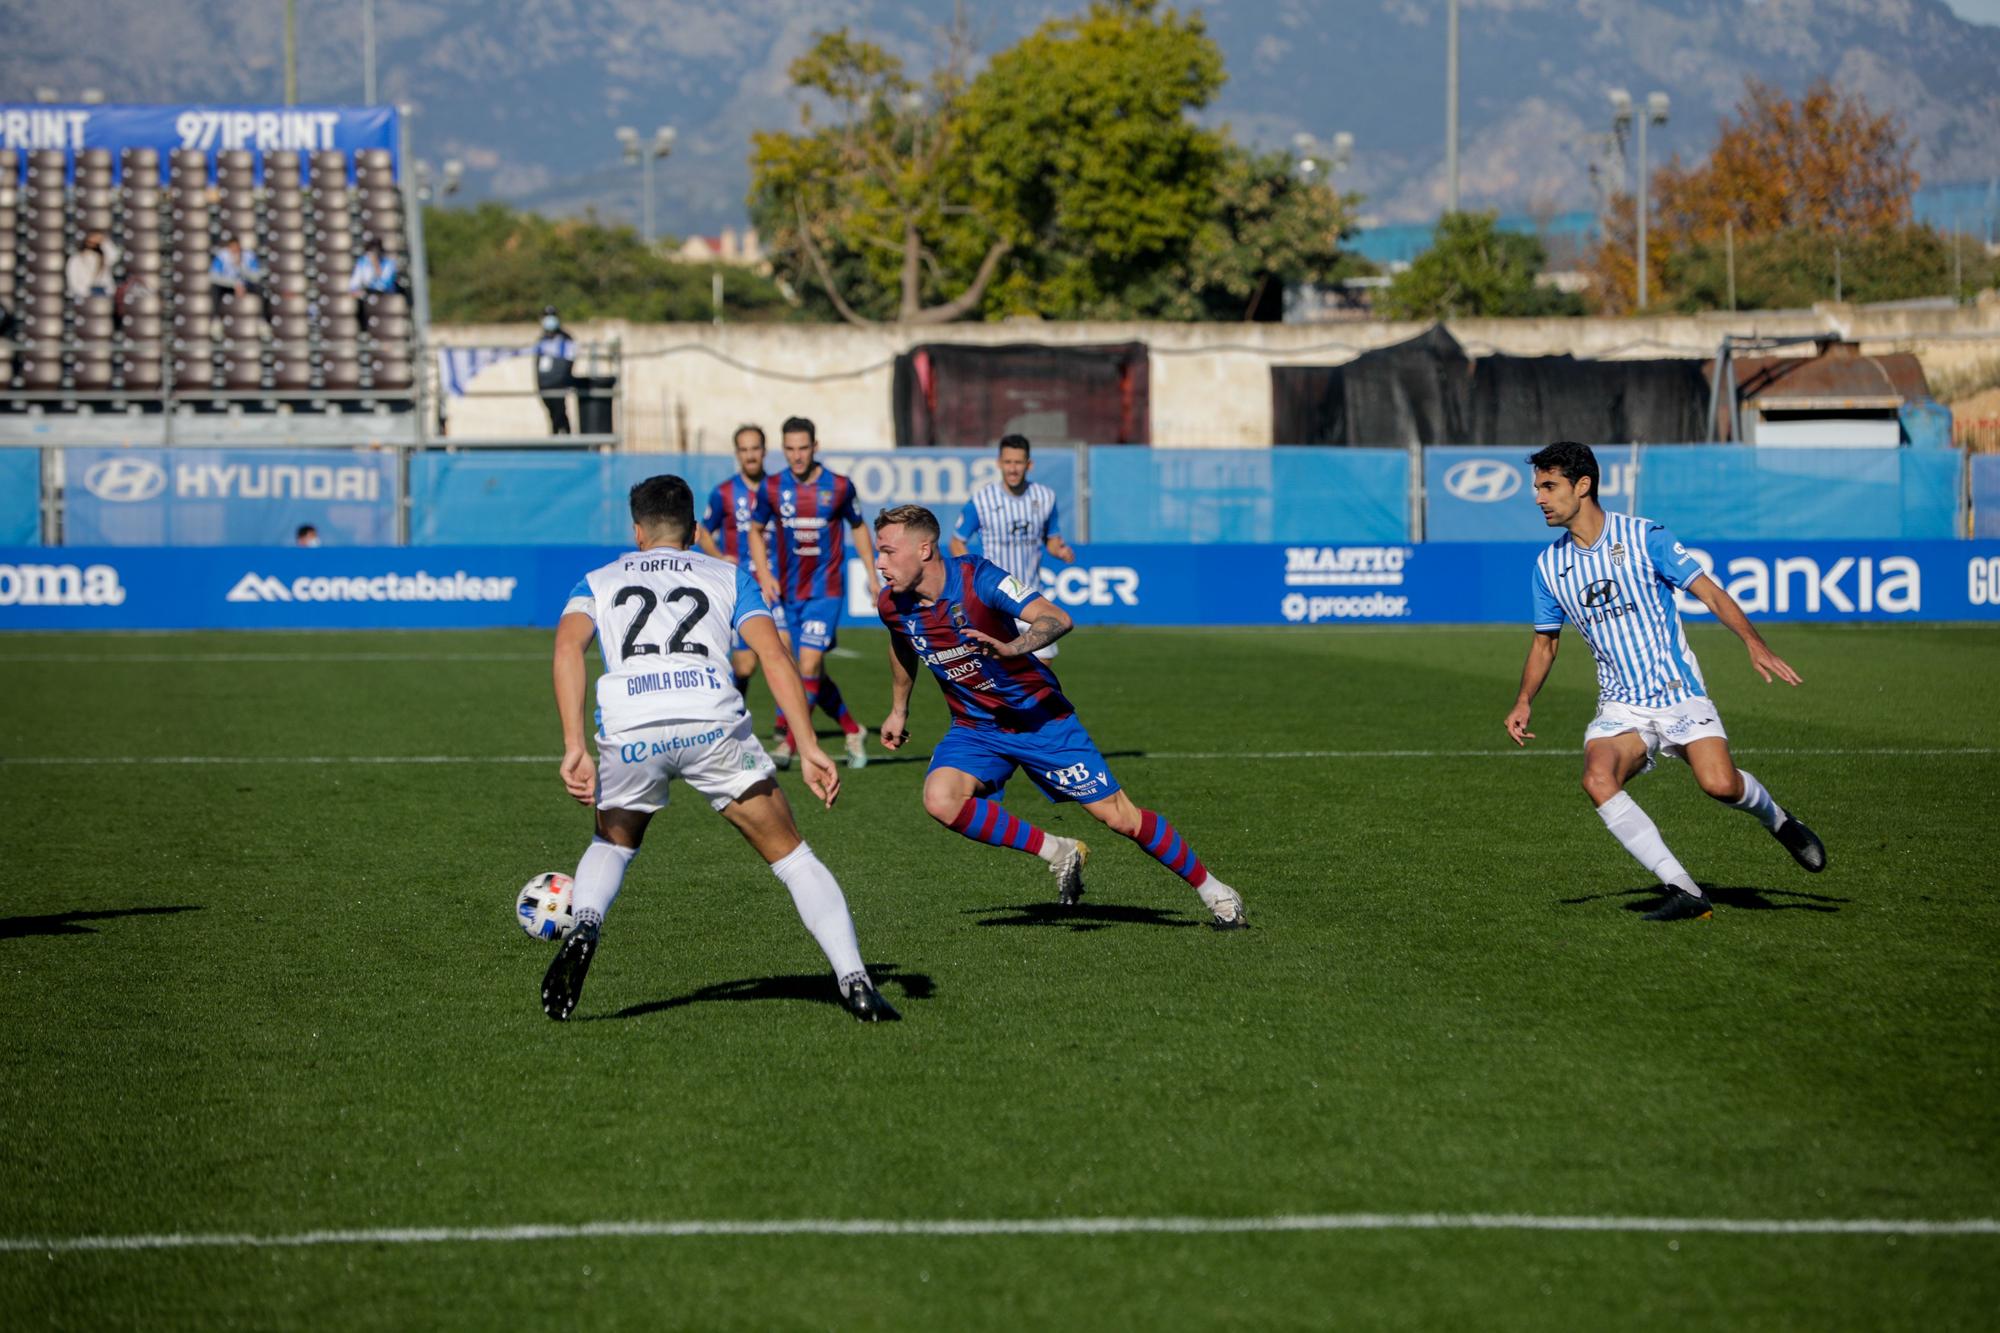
x: 542, y: 907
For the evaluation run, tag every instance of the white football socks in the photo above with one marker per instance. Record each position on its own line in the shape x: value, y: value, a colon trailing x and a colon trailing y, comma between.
x: 822, y: 907
x: 1759, y: 803
x: 1635, y: 829
x: 598, y: 877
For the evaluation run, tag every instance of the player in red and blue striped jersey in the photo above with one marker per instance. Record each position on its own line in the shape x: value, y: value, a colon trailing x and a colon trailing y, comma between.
x: 957, y: 615
x: 722, y: 533
x: 809, y: 511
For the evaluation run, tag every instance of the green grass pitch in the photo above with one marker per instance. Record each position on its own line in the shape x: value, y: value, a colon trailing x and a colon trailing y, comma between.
x: 271, y: 998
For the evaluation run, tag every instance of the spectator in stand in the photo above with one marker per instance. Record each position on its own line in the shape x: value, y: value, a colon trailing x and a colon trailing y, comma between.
x: 235, y: 272
x: 89, y: 271
x: 373, y: 272
x: 307, y: 535
x: 555, y: 363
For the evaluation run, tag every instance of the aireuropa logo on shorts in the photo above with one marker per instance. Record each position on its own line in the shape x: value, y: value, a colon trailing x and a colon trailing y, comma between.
x: 1345, y: 566
x: 60, y: 585
x: 418, y: 587
x: 1301, y: 609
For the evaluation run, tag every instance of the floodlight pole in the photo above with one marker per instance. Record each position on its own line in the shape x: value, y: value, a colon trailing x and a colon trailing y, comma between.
x: 1451, y: 108
x: 291, y: 53
x: 368, y: 52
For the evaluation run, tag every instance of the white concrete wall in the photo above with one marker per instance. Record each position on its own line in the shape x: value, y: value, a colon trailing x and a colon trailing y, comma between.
x: 686, y: 387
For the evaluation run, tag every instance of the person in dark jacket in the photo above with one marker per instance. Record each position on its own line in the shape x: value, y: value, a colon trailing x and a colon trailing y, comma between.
x: 555, y: 361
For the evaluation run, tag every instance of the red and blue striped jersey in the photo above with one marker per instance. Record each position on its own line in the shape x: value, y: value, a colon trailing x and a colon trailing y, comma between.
x: 728, y: 518
x: 1012, y: 694
x: 810, y: 553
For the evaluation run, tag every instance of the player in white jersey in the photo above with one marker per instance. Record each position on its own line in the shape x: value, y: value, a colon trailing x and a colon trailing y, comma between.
x: 1016, y: 521
x: 667, y: 707
x: 1614, y: 577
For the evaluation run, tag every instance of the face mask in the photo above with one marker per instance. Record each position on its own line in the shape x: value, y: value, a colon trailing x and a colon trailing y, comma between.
x: 551, y: 323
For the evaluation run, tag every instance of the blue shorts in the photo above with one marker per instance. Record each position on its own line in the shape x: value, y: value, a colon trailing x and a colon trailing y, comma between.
x: 736, y: 645
x: 815, y: 623
x: 1059, y: 757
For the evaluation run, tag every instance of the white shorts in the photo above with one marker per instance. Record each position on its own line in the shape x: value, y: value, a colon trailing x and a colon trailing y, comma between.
x: 721, y: 760
x: 1041, y: 654
x: 1665, y: 730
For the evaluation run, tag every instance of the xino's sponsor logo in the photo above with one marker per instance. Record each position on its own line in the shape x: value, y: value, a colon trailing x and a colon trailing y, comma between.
x: 1345, y: 566
x: 1098, y: 585
x: 1982, y: 581
x: 132, y: 480
x: 417, y: 587
x: 125, y: 480
x: 1891, y: 584
x: 60, y: 585
x: 1301, y: 609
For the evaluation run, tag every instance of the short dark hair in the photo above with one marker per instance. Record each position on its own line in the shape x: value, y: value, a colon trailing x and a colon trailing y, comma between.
x: 747, y: 428
x: 914, y: 517
x: 1017, y: 442
x: 1575, y: 461
x: 664, y: 502
x: 799, y: 426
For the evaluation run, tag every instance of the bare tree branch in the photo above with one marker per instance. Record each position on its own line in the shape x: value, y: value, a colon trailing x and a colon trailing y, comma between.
x: 825, y: 276
x: 967, y: 299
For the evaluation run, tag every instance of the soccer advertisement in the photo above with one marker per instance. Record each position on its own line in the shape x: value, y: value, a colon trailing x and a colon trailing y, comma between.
x: 264, y: 587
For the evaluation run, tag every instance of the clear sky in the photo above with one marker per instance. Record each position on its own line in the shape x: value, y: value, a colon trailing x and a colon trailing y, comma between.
x: 1979, y: 11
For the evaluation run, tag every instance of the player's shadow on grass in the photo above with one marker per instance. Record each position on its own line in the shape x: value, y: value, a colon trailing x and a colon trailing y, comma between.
x: 1083, y: 916
x: 67, y: 923
x: 816, y: 988
x: 1741, y: 897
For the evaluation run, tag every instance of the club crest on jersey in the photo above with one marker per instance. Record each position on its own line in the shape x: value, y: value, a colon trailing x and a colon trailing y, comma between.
x: 958, y: 617
x: 825, y: 499
x: 1618, y: 554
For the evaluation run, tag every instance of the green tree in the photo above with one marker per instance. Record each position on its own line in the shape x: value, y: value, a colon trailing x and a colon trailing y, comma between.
x: 1472, y: 269
x: 1269, y: 229
x: 492, y: 264
x: 1794, y: 268
x: 881, y: 201
x: 1068, y: 181
x: 1082, y: 140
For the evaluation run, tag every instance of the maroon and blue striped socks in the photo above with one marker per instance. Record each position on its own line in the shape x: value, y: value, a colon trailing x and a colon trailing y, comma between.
x: 1164, y: 843
x: 988, y: 822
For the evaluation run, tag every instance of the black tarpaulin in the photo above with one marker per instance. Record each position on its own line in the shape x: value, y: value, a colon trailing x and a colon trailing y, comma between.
x: 1427, y: 391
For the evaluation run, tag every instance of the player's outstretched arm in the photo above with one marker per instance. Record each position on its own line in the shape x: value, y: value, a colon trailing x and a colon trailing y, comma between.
x: 1060, y: 549
x: 958, y: 547
x: 1534, y: 673
x: 902, y: 675
x: 760, y: 564
x: 706, y: 542
x: 1047, y: 622
x: 782, y: 675
x: 579, y: 771
x: 1727, y: 613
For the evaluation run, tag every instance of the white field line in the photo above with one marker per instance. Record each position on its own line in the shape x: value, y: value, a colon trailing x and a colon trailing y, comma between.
x: 1050, y: 1226
x: 128, y: 760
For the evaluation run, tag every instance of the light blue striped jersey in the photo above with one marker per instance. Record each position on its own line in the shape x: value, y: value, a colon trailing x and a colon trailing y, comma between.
x: 1620, y: 594
x: 1012, y: 527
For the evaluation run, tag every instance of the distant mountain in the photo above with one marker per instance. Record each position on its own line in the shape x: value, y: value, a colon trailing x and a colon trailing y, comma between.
x: 528, y: 92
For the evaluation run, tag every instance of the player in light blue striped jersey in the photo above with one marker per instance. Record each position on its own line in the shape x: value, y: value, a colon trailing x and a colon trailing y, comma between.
x: 1016, y: 520
x: 1614, y: 577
